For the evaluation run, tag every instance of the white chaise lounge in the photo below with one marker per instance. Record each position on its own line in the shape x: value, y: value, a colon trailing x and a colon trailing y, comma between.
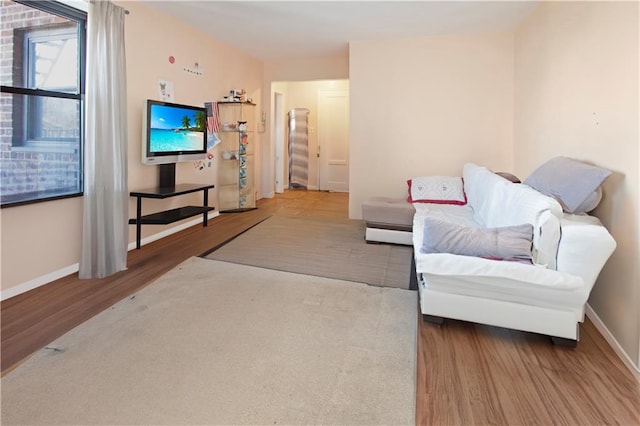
x: 544, y: 293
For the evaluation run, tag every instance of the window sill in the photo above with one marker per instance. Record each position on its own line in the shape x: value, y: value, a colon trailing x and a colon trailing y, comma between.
x: 61, y: 147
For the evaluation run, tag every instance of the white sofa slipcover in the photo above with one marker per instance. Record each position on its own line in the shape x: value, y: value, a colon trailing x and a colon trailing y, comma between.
x: 546, y: 297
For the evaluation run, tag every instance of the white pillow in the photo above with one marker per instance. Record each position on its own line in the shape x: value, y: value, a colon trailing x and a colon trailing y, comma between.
x: 437, y: 190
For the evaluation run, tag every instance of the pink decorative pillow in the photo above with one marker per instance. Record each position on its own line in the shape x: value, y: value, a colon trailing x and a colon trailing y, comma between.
x: 437, y: 190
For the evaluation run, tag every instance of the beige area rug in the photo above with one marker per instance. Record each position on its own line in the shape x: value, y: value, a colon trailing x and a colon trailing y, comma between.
x: 332, y: 248
x: 221, y: 343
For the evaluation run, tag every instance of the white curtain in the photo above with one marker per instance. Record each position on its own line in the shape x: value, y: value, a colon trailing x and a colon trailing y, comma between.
x: 106, y: 203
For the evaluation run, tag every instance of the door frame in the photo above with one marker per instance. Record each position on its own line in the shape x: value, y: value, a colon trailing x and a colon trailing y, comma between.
x: 279, y: 144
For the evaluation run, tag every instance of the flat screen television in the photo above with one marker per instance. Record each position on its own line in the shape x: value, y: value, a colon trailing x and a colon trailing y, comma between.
x: 173, y: 133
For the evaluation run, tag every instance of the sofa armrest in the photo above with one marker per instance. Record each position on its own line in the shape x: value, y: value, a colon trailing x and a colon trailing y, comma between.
x: 585, y: 246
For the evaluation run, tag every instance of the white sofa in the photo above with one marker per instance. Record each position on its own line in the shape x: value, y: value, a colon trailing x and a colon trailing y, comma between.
x: 547, y: 296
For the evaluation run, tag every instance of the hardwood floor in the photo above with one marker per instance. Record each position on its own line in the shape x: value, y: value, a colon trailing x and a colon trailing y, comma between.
x: 473, y: 374
x: 466, y: 373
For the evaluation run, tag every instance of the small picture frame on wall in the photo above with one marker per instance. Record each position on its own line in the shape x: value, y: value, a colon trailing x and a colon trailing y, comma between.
x: 165, y: 91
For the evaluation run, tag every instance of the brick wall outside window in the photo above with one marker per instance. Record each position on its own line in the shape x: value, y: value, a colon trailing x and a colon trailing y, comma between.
x: 25, y: 169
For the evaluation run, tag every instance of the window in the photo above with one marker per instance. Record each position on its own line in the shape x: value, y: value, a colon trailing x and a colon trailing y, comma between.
x: 41, y: 104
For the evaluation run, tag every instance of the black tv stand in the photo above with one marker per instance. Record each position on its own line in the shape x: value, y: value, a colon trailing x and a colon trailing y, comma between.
x: 169, y: 216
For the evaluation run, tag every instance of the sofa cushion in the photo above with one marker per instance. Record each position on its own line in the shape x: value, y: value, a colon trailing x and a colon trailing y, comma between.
x: 462, y: 215
x: 388, y: 213
x: 506, y: 243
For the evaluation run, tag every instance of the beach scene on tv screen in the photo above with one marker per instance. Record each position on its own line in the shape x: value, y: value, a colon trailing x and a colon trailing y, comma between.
x: 176, y: 129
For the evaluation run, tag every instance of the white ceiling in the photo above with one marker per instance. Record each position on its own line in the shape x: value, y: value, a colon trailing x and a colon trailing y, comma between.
x: 271, y: 30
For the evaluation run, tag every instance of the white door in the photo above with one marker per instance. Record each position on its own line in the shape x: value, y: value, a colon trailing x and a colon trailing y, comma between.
x: 333, y: 140
x: 279, y: 141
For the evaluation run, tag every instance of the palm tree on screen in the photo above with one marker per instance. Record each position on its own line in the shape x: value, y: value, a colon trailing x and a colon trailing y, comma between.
x: 200, y: 120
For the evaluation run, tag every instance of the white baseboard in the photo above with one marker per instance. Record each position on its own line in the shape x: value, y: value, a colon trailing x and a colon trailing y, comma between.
x: 602, y: 328
x: 71, y: 269
x: 268, y: 195
x: 39, y: 281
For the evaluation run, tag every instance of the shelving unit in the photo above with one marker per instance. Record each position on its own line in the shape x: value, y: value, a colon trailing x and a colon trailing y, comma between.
x: 169, y: 216
x: 236, y: 185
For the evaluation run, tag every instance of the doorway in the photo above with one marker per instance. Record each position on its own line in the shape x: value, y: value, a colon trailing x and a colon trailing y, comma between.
x: 320, y: 97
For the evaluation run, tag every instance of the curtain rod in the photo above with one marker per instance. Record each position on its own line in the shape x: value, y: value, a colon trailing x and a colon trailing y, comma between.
x: 126, y: 11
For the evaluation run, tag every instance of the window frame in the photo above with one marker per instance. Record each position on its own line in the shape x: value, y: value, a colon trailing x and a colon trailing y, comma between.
x: 33, y: 109
x: 80, y: 17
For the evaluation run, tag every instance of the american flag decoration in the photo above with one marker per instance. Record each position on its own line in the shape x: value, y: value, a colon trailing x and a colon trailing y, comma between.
x: 213, y: 123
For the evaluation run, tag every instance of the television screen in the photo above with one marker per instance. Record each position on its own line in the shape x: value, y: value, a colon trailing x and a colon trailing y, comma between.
x: 173, y: 133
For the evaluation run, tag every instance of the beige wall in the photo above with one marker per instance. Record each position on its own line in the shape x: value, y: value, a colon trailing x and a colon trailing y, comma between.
x: 39, y: 239
x: 426, y: 106
x: 320, y: 68
x: 576, y: 79
x: 42, y: 238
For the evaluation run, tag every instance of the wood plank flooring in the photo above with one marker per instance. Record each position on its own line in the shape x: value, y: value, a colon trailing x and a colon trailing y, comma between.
x: 467, y: 374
